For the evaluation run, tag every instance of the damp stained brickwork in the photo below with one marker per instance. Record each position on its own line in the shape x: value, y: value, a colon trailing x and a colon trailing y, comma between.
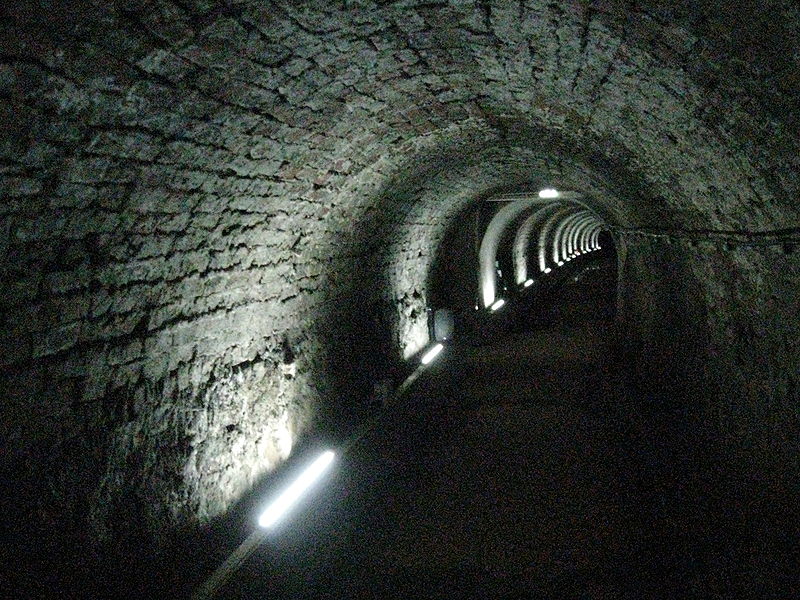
x: 187, y: 185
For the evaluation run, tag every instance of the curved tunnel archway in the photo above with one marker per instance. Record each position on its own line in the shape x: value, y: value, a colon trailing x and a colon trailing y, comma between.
x: 511, y: 233
x: 490, y: 243
x: 220, y: 221
x: 522, y: 241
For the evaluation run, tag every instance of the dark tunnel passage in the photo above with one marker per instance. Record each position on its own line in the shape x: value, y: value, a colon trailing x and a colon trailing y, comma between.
x: 230, y: 231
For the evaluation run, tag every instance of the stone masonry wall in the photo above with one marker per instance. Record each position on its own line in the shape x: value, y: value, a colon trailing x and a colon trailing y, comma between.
x: 211, y: 211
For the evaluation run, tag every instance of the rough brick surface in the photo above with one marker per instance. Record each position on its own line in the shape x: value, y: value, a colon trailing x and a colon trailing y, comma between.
x: 211, y: 211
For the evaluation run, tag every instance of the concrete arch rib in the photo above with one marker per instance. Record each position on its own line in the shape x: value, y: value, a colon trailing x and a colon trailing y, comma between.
x: 586, y: 235
x: 596, y: 237
x: 579, y: 238
x: 559, y: 240
x: 491, y: 242
x: 566, y: 235
x: 574, y: 230
x: 590, y: 237
x: 522, y: 240
x: 544, y: 234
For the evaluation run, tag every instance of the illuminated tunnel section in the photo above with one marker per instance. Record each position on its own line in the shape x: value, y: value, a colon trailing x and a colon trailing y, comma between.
x: 505, y: 243
x: 558, y: 230
x: 491, y: 241
x: 522, y: 241
x: 526, y: 218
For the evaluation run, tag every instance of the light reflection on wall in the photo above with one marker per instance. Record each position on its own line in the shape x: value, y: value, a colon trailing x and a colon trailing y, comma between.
x: 415, y: 335
x: 250, y: 428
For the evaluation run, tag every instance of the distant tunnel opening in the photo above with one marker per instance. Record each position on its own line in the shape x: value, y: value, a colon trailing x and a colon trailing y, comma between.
x: 520, y: 250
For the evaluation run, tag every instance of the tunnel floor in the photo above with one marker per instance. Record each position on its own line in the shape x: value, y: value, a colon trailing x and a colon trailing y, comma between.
x: 517, y: 469
x: 501, y: 475
x: 522, y: 495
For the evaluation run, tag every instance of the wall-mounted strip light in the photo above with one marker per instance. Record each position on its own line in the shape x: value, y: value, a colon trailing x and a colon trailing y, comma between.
x: 431, y: 354
x: 284, y: 502
x: 548, y: 193
x: 497, y: 305
x: 528, y: 283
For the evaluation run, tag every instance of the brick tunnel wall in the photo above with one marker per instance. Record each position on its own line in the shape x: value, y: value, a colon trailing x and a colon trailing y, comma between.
x: 710, y: 329
x: 212, y: 211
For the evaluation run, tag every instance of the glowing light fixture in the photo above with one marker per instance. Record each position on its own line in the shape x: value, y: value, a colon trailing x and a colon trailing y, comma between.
x: 497, y: 305
x: 548, y: 193
x: 560, y: 263
x: 284, y: 502
x: 547, y: 270
x: 528, y: 283
x: 431, y: 354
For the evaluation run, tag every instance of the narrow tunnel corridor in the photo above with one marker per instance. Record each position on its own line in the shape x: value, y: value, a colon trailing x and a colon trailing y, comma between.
x: 501, y: 476
x: 231, y: 230
x: 513, y: 469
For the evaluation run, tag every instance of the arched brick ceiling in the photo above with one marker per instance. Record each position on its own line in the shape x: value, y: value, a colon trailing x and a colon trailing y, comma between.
x: 192, y: 186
